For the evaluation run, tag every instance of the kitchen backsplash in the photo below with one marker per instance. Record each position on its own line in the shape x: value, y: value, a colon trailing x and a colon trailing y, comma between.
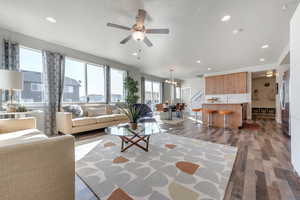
x: 229, y: 98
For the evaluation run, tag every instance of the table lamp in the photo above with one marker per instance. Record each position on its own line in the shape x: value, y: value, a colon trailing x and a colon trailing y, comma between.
x: 11, y: 80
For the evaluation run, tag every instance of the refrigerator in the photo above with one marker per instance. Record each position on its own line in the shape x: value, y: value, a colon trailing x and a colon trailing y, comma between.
x: 285, y: 104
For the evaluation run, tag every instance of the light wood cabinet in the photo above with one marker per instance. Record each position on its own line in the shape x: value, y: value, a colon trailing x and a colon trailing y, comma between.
x: 226, y: 84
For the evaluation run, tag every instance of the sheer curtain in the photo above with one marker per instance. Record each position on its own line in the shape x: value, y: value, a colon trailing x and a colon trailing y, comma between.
x: 53, y: 81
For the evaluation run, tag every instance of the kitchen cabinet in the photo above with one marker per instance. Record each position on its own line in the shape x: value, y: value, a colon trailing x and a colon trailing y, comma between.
x: 235, y: 83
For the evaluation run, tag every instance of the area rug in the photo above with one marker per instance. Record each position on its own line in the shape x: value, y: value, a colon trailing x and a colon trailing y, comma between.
x: 175, y: 168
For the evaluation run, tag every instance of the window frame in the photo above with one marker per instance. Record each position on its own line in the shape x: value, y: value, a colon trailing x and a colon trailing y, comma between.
x: 179, y: 88
x: 160, y: 89
x: 32, y: 104
x: 86, y: 63
x: 110, y: 78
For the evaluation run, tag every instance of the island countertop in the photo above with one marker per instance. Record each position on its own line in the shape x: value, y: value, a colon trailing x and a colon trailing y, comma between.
x: 235, y: 120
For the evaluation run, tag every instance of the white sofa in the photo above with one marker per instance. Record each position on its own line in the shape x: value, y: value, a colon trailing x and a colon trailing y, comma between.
x: 66, y: 124
x: 33, y: 166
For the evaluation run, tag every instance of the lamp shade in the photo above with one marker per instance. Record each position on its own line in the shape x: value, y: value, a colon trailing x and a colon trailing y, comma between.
x: 11, y: 80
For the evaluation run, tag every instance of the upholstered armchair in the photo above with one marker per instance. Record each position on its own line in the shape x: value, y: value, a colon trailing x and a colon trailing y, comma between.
x: 33, y: 166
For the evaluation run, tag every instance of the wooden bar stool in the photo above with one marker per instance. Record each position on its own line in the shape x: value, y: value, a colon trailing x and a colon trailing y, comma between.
x: 196, y: 111
x: 225, y: 113
x: 210, y: 113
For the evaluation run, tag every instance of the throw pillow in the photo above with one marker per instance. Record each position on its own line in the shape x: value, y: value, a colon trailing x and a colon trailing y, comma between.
x: 76, y: 110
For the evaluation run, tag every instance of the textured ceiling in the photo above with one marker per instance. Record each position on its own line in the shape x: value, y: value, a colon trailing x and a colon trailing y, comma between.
x: 196, y: 32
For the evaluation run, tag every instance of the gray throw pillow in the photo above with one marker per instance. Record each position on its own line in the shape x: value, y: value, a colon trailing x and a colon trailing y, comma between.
x: 76, y: 110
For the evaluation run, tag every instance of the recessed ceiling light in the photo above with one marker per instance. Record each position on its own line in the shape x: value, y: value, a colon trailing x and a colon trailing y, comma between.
x: 265, y: 46
x: 135, y: 54
x: 209, y: 69
x: 51, y: 19
x: 262, y: 60
x: 237, y: 31
x: 226, y: 18
x: 198, y: 61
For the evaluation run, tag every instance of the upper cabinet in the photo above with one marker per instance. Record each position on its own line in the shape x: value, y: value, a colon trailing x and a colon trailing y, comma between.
x: 226, y: 84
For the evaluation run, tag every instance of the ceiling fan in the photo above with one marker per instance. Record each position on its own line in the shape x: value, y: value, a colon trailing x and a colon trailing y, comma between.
x: 139, y: 30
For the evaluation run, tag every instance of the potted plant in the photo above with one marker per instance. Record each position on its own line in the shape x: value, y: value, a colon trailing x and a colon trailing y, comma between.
x: 131, y: 89
x: 129, y: 108
x: 133, y: 113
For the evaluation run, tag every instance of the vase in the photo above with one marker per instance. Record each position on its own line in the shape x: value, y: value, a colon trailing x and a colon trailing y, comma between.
x: 133, y: 126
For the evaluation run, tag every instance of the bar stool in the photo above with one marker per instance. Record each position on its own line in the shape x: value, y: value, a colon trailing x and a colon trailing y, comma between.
x: 210, y: 113
x: 196, y: 111
x: 225, y: 113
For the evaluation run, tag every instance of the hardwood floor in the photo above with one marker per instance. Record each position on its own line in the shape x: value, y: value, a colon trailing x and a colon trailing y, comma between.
x: 262, y: 170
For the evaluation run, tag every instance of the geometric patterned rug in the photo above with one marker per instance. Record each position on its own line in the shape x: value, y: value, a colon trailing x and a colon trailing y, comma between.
x: 175, y: 168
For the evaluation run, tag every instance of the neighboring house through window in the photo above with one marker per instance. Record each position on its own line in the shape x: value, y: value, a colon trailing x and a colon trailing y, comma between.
x: 31, y: 64
x: 83, y: 82
x: 36, y: 87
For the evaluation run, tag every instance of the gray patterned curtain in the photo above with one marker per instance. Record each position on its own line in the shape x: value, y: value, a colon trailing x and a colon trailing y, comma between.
x: 108, y: 92
x: 53, y: 79
x: 10, y: 61
x: 143, y: 90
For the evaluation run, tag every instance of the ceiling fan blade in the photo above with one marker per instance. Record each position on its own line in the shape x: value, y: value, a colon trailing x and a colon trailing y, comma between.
x: 126, y: 39
x: 118, y: 26
x: 148, y: 42
x: 140, y: 18
x: 158, y: 31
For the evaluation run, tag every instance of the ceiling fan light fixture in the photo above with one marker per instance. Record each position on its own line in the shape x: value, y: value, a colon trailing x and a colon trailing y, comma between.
x: 138, y: 35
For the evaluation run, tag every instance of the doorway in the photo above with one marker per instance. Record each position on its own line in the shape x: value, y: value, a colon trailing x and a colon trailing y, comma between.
x: 264, y: 91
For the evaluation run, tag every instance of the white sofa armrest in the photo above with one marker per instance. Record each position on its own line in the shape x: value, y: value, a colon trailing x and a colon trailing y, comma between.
x: 40, y: 169
x: 64, y: 122
x: 12, y: 125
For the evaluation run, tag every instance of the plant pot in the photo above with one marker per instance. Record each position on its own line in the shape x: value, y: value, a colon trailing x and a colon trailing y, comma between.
x: 133, y: 126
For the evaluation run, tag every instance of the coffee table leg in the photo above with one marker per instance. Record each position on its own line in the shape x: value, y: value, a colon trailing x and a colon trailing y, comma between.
x: 147, y: 143
x: 122, y: 145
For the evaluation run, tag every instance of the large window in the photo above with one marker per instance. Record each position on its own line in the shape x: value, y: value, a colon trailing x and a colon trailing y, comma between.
x: 116, y: 85
x: 83, y: 82
x: 178, y: 93
x: 152, y: 93
x: 75, y: 78
x: 31, y: 64
x: 95, y: 83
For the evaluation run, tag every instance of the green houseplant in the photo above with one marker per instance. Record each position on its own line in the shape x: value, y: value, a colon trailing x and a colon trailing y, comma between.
x: 131, y: 90
x: 132, y: 111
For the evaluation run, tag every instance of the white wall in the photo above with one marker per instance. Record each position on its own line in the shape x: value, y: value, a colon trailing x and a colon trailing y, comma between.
x: 196, y: 85
x: 295, y: 89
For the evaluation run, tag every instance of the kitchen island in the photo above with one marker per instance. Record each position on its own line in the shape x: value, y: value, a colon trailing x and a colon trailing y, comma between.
x: 234, y: 120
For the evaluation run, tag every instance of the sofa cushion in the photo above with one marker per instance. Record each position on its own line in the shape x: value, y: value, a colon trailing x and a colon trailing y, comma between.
x: 18, y: 137
x: 110, y: 118
x: 84, y: 121
x: 76, y: 110
x: 96, y: 111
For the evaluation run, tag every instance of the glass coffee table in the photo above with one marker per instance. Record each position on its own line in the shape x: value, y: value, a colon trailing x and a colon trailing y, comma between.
x: 139, y: 137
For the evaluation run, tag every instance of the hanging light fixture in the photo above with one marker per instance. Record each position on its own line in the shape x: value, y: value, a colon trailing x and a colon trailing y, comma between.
x: 171, y: 80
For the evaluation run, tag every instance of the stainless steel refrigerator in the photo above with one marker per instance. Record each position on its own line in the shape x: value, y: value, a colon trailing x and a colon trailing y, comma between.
x: 285, y: 104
